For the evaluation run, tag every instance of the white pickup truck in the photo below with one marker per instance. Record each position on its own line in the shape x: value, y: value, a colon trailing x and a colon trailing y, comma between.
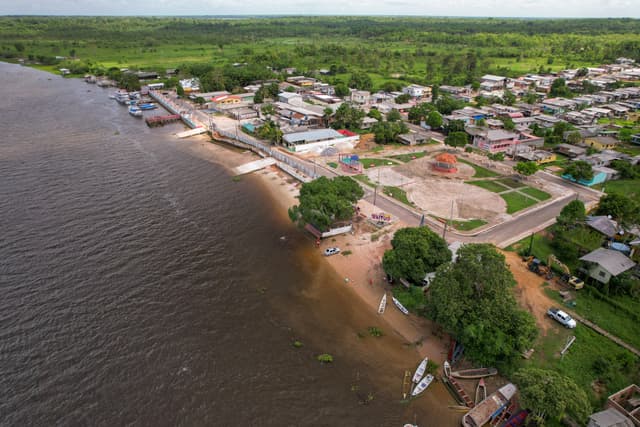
x: 561, y: 317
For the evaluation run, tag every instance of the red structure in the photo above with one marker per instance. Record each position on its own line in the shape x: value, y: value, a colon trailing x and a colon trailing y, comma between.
x: 446, y: 162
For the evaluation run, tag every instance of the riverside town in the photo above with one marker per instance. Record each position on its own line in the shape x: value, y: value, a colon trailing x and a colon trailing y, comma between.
x: 469, y: 185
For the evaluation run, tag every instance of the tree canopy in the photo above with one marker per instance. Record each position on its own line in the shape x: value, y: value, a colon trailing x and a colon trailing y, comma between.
x: 472, y: 300
x: 457, y: 139
x: 434, y: 120
x: 622, y: 208
x: 526, y: 168
x: 347, y: 116
x: 572, y: 213
x: 387, y: 132
x: 550, y: 395
x: 325, y: 201
x: 579, y: 170
x: 415, y: 252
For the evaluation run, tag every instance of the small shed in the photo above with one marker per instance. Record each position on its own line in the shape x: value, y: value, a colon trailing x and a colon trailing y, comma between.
x: 446, y: 162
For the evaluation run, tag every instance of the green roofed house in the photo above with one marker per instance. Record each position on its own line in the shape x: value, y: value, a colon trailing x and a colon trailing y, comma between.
x: 603, y: 264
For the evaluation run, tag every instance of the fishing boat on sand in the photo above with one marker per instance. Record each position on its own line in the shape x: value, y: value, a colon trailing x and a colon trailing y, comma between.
x: 417, y: 376
x: 489, y: 408
x: 135, y: 111
x: 383, y: 304
x: 400, y: 306
x: 472, y: 374
x: 422, y: 385
x: 447, y: 369
x: 481, y: 392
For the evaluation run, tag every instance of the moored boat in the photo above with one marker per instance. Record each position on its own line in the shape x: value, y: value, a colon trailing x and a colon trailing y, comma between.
x: 400, y: 306
x: 489, y: 408
x: 148, y: 106
x: 481, y: 392
x: 471, y: 374
x: 135, y: 111
x: 422, y: 385
x: 383, y: 304
x: 447, y: 368
x: 417, y: 376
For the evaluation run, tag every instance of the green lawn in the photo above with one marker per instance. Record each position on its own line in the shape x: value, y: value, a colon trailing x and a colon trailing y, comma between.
x: 398, y: 194
x: 493, y: 186
x: 332, y: 164
x: 627, y: 187
x: 405, y: 158
x: 516, y: 202
x: 609, y: 317
x: 534, y: 192
x: 468, y: 225
x: 510, y: 182
x: 368, y: 163
x: 591, y: 357
x: 480, y: 171
x: 364, y: 179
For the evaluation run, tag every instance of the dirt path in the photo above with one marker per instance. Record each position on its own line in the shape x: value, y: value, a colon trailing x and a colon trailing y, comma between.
x: 529, y: 292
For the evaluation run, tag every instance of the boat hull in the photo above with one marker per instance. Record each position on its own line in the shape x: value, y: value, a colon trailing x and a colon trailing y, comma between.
x: 474, y: 374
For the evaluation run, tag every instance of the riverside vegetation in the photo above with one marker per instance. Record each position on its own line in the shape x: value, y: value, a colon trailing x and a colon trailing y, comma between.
x: 363, y: 52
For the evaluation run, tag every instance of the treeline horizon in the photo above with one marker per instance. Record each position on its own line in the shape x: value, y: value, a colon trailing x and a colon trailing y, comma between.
x: 425, y: 50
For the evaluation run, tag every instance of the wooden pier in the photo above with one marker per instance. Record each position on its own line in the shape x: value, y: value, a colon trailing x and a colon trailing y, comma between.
x: 154, y: 121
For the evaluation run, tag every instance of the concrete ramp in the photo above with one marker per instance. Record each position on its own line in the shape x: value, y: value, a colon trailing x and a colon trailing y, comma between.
x: 255, y: 165
x: 192, y: 132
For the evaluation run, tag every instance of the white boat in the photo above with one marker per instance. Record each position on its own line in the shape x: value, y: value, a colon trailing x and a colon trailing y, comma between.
x: 447, y: 369
x: 422, y: 385
x: 383, y: 304
x: 420, y: 371
x: 400, y: 306
x: 135, y: 111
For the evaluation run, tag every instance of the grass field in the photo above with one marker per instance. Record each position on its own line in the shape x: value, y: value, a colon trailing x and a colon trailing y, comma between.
x: 398, y: 194
x: 364, y: 179
x: 468, y: 225
x: 480, y: 171
x: 493, y: 186
x: 591, y: 358
x: 516, y: 202
x: 405, y: 158
x: 510, y: 182
x: 534, y: 192
x: 627, y: 187
x: 541, y: 247
x: 368, y: 163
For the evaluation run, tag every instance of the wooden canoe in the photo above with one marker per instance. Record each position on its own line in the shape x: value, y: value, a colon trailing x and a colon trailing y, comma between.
x: 471, y: 374
x: 481, y: 391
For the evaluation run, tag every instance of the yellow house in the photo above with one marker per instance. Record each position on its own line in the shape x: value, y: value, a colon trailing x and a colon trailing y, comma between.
x: 602, y: 142
x: 226, y: 100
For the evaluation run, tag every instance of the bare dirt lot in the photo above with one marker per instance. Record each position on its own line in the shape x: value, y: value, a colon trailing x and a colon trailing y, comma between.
x: 530, y: 291
x: 434, y: 191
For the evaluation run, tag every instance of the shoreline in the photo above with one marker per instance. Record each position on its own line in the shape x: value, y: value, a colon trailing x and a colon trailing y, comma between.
x: 407, y: 340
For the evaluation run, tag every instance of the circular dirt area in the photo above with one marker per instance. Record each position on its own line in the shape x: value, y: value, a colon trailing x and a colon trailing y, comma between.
x: 423, y: 168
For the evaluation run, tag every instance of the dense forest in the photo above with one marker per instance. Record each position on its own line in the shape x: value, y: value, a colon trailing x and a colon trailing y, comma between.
x: 421, y: 50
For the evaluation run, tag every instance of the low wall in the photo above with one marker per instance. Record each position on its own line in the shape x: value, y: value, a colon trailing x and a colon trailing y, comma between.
x: 336, y: 231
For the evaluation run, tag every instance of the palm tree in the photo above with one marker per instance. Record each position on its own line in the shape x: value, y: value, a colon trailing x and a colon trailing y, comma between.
x: 328, y: 112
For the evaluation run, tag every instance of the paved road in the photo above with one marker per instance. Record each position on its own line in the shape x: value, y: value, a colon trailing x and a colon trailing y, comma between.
x: 501, y: 234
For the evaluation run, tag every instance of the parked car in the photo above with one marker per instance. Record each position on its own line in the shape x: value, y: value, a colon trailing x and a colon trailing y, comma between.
x: 331, y: 251
x: 561, y: 317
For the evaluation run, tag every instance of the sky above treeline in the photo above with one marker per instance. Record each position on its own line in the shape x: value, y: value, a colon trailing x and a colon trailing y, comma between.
x: 496, y: 8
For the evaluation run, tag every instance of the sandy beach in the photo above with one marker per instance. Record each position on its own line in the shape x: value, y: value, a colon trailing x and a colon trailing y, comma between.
x: 358, y: 282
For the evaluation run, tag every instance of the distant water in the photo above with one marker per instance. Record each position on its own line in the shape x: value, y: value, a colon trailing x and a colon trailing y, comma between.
x: 140, y: 285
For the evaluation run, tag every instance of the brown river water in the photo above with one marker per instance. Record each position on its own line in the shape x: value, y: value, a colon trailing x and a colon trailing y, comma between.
x: 140, y: 285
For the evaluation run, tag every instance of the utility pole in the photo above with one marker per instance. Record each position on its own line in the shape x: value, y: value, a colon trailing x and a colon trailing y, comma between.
x: 444, y: 232
x: 530, y: 244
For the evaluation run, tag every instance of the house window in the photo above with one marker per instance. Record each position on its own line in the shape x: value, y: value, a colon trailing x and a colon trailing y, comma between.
x: 601, y: 274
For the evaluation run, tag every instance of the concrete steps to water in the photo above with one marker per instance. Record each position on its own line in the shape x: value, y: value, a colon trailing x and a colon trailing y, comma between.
x: 254, y: 166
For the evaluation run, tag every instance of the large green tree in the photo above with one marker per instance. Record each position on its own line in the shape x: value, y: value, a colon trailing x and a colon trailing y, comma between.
x: 579, y: 170
x: 434, y: 120
x: 550, y: 395
x: 472, y: 300
x: 387, y: 132
x: 526, y: 168
x: 415, y: 252
x: 622, y: 208
x: 347, y: 116
x: 325, y: 201
x: 574, y: 212
x: 457, y: 139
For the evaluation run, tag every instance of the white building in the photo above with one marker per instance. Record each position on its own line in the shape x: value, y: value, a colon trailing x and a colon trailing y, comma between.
x: 417, y: 91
